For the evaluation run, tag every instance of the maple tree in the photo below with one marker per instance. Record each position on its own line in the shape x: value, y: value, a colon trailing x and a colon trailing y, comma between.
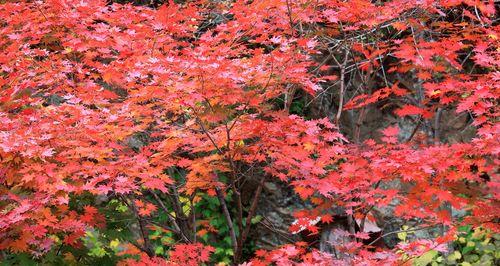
x: 155, y: 110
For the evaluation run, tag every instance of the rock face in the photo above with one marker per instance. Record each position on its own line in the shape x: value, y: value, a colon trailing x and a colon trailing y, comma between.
x: 276, y: 207
x: 335, y: 234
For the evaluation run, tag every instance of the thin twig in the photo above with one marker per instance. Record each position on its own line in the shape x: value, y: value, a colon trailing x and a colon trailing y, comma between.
x: 401, y: 231
x: 229, y: 221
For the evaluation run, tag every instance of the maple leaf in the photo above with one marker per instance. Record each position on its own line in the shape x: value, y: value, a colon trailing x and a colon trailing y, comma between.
x: 190, y: 254
x: 19, y: 245
x: 89, y: 213
x: 304, y: 192
x: 146, y: 209
x: 48, y: 153
x: 390, y: 134
x: 409, y: 110
x: 157, y: 183
x: 109, y: 94
x: 327, y: 218
x: 362, y: 235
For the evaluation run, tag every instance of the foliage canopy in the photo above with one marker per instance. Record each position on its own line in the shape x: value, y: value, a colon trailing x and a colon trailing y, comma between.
x: 161, y: 116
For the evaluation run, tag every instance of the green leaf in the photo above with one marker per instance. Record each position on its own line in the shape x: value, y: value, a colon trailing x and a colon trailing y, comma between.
x: 402, y: 236
x: 465, y: 228
x: 159, y: 250
x: 426, y: 258
x: 256, y: 219
x: 219, y: 250
x: 467, y: 249
x: 97, y: 252
x: 122, y: 207
x: 456, y: 255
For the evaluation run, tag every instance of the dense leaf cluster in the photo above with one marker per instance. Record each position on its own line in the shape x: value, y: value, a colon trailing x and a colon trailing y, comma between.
x: 129, y: 134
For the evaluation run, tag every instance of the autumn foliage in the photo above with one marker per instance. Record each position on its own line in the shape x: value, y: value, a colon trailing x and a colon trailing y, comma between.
x: 156, y: 108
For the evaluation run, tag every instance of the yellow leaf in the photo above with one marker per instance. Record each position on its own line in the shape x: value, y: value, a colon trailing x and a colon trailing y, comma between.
x: 114, y: 243
x: 435, y: 92
x: 240, y: 143
x: 402, y: 236
x: 308, y: 146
